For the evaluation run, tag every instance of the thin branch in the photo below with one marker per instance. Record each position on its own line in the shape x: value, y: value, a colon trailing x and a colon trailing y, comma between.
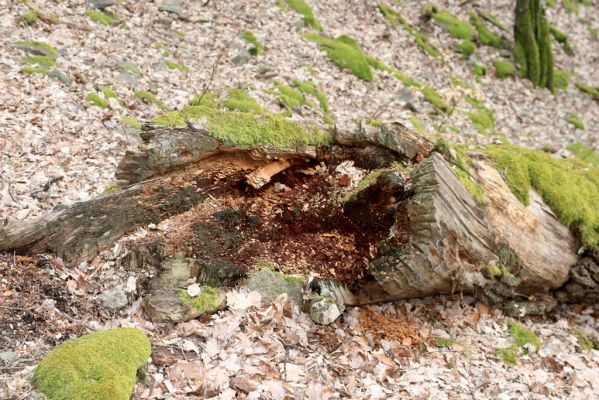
x: 215, y: 66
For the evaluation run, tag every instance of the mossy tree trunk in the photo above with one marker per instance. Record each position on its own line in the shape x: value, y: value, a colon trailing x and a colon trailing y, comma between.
x: 532, y: 47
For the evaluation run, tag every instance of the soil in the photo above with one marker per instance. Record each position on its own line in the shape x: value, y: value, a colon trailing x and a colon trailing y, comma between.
x: 35, y: 303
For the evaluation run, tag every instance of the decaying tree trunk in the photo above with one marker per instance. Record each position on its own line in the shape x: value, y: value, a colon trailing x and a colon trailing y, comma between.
x: 408, y: 229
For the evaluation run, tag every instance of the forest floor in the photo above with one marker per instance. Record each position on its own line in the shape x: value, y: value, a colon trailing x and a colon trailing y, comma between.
x: 57, y: 147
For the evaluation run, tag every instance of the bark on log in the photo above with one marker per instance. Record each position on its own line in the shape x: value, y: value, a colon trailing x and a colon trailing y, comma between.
x: 82, y: 230
x: 414, y: 234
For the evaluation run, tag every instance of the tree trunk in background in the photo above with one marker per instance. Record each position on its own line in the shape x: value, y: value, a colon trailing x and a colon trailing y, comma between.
x: 532, y: 47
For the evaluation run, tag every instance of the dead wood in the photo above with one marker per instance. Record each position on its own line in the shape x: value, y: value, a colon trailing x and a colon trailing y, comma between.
x: 401, y: 235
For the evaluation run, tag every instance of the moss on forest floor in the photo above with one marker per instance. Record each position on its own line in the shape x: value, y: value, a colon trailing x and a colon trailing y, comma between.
x: 303, y: 8
x: 101, y: 365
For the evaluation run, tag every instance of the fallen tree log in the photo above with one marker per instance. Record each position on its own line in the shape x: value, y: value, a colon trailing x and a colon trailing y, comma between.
x: 378, y: 212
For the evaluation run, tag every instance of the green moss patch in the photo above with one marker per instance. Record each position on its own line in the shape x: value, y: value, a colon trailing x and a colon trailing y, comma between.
x: 523, y: 335
x: 594, y: 92
x: 240, y: 100
x: 96, y: 100
x: 111, y: 189
x: 503, y: 69
x: 148, y: 97
x: 465, y: 47
x: 563, y: 39
x: 561, y: 78
x: 29, y: 17
x: 479, y: 70
x: 100, y: 17
x: 509, y: 355
x: 571, y: 6
x: 493, y: 20
x: 110, y: 94
x: 482, y: 117
x: 485, y: 35
x: 395, y: 18
x: 209, y: 299
x: 100, y: 366
x: 435, y: 99
x: 37, y: 47
x: 42, y: 61
x: 569, y: 186
x: 585, y: 153
x: 170, y: 64
x: 418, y: 125
x: 310, y: 88
x: 130, y: 121
x: 130, y: 68
x: 257, y: 47
x: 444, y: 342
x: 292, y: 98
x: 585, y: 341
x: 456, y: 27
x: 460, y: 161
x: 344, y: 52
x: 575, y: 121
x: 34, y: 70
x: 207, y: 99
x: 246, y: 130
x: 301, y: 7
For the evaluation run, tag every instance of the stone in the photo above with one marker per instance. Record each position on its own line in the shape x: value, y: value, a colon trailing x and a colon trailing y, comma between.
x: 240, y: 55
x: 271, y: 284
x: 115, y: 298
x: 172, y: 6
x: 7, y: 357
x: 102, y: 4
x: 164, y: 305
x: 324, y: 311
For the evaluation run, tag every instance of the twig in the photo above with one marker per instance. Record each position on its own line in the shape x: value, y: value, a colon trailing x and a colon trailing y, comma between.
x: 215, y: 66
x: 54, y: 20
x: 447, y: 116
x: 17, y: 308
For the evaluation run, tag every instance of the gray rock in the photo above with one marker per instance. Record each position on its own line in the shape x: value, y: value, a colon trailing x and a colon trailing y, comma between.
x: 164, y: 306
x: 271, y: 284
x: 324, y: 311
x: 241, y: 57
x: 127, y: 77
x: 35, y: 49
x: 61, y: 76
x: 115, y: 298
x: 7, y: 357
x: 172, y: 6
x: 102, y: 4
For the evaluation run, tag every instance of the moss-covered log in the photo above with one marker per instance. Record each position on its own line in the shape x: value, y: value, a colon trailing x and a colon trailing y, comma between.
x: 382, y: 209
x: 532, y: 43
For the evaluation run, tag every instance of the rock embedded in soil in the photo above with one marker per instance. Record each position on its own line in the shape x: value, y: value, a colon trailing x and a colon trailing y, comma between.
x: 324, y: 311
x: 270, y: 284
x: 115, y: 298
